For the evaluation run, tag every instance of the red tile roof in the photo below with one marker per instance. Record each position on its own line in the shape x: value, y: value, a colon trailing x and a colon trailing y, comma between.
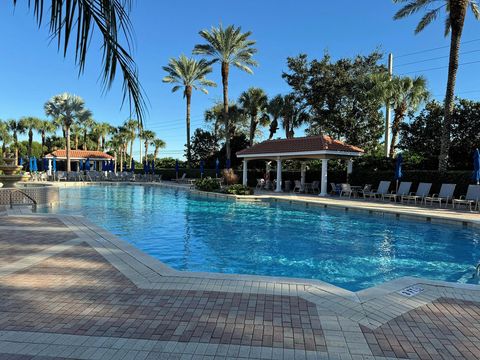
x: 303, y: 144
x: 80, y: 154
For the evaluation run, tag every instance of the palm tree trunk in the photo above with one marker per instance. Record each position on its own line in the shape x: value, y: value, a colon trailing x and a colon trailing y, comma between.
x: 67, y: 148
x: 287, y: 127
x: 121, y: 160
x: 457, y: 18
x: 253, y: 126
x: 99, y: 143
x: 397, y: 119
x: 76, y: 141
x: 30, y: 141
x: 146, y: 150
x: 103, y: 142
x: 225, y: 71
x: 15, y: 143
x: 155, y: 153
x: 188, y: 95
x: 131, y: 152
x: 43, y: 143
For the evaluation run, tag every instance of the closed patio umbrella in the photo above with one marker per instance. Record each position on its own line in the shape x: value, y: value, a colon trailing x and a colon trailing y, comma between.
x: 104, y: 166
x: 54, y: 165
x: 34, y: 164
x: 202, y: 168
x: 228, y: 164
x: 176, y: 168
x: 44, y: 164
x: 476, y: 166
x: 20, y: 161
x: 132, y: 166
x: 30, y: 164
x: 146, y: 167
x: 80, y: 165
x: 398, y: 168
x: 87, y: 164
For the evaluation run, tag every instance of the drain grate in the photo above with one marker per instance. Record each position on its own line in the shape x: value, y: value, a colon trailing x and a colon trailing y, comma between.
x: 411, y: 291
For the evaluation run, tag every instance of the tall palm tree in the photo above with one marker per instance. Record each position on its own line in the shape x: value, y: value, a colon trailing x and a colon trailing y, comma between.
x: 228, y: 46
x: 5, y: 136
x: 456, y: 11
x: 293, y: 115
x: 254, y: 102
x: 31, y: 123
x: 86, y: 123
x: 403, y: 94
x: 46, y: 127
x: 79, y: 20
x: 130, y: 127
x: 147, y: 136
x: 159, y: 144
x: 16, y: 127
x: 188, y: 74
x: 275, y: 110
x: 65, y: 108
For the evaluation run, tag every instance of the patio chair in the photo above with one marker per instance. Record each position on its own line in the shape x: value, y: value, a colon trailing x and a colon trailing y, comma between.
x: 182, y: 178
x: 423, y: 190
x: 403, y: 189
x: 367, y: 188
x: 446, y: 193
x: 346, y: 190
x: 316, y: 186
x: 260, y: 184
x: 334, y: 188
x: 471, y: 198
x: 382, y: 189
x: 298, y: 186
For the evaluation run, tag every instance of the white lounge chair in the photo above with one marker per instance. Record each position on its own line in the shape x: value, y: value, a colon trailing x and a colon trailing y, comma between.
x: 298, y: 187
x: 423, y: 190
x: 445, y: 195
x: 471, y: 198
x: 346, y: 190
x: 382, y: 189
x: 316, y: 186
x: 182, y: 178
x: 403, y: 189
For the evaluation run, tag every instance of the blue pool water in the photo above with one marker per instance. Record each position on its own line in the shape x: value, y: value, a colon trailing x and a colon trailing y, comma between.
x: 351, y: 250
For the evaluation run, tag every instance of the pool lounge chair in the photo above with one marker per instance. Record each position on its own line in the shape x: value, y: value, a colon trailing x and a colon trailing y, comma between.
x: 316, y: 186
x: 403, y: 189
x: 423, y: 190
x: 367, y: 188
x: 298, y: 187
x: 471, y: 198
x: 346, y: 190
x: 182, y: 178
x: 382, y: 189
x: 445, y: 194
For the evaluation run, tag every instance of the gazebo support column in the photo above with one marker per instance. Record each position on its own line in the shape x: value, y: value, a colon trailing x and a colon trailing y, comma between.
x: 279, y: 175
x: 324, y: 178
x: 245, y: 173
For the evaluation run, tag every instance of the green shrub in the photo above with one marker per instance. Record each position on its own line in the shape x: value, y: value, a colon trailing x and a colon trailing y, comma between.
x: 207, y: 184
x: 239, y: 189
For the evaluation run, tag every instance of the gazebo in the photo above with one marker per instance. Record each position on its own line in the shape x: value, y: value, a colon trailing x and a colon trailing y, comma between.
x: 80, y: 155
x: 303, y: 148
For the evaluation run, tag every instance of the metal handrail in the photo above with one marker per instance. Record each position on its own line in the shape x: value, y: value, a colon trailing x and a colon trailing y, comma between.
x: 34, y: 202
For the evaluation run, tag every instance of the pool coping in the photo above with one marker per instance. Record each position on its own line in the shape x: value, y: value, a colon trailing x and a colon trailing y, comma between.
x: 392, y: 286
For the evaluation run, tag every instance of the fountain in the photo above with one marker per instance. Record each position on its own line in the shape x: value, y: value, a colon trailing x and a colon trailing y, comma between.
x: 11, y: 173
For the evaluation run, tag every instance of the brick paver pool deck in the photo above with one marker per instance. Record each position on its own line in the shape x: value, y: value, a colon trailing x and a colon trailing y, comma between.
x: 71, y: 290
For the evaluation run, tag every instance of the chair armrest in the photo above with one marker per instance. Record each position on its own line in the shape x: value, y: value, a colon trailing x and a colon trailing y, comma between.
x: 462, y: 197
x: 411, y: 193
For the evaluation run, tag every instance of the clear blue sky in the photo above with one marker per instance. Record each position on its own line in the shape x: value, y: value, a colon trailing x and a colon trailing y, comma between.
x: 32, y: 70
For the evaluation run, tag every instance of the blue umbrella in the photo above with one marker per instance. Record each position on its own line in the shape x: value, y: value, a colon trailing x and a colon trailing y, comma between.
x: 152, y: 167
x: 132, y: 166
x: 476, y: 166
x: 45, y: 164
x: 30, y: 165
x: 398, y: 168
x: 176, y: 168
x: 146, y: 167
x: 228, y: 164
x: 80, y: 165
x: 20, y: 161
x: 112, y: 165
x: 94, y: 165
x: 54, y: 165
x: 34, y: 164
x: 103, y: 165
x: 87, y: 164
x: 202, y: 170
x: 217, y: 167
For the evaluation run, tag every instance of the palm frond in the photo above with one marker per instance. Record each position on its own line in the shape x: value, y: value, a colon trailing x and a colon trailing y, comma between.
x: 427, y: 19
x: 475, y: 9
x: 411, y: 8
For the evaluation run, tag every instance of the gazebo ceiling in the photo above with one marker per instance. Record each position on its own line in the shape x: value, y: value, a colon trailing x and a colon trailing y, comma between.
x: 310, y: 147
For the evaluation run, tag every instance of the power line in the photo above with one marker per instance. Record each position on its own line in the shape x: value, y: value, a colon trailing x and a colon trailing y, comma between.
x: 433, y: 49
x: 436, y: 58
x: 438, y: 68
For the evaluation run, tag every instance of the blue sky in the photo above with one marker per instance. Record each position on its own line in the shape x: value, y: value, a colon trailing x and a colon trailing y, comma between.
x: 32, y: 70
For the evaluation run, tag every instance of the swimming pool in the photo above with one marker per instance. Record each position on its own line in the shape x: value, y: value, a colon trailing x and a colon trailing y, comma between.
x: 351, y: 250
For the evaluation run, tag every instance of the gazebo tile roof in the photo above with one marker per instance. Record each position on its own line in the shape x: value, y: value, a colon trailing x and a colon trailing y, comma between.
x: 300, y: 145
x: 82, y: 154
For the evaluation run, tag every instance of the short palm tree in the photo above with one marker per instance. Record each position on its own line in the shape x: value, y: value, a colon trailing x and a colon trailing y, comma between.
x: 228, y: 46
x: 147, y: 136
x: 254, y: 102
x: 404, y: 94
x: 65, y: 108
x: 158, y: 144
x: 79, y: 20
x: 31, y: 123
x: 5, y: 137
x: 275, y: 110
x: 46, y: 127
x: 101, y: 131
x: 188, y: 74
x: 456, y: 11
x: 130, y: 127
x: 16, y: 127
